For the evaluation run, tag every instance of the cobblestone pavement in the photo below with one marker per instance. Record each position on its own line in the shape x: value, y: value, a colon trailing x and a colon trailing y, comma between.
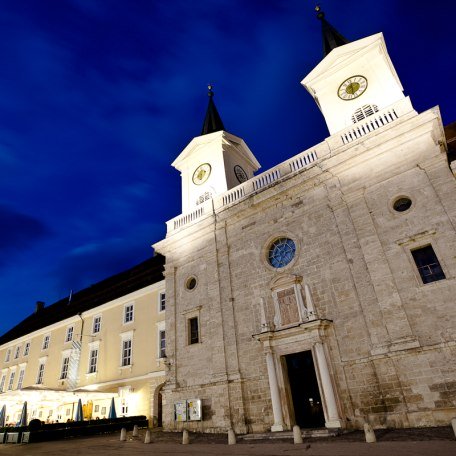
x: 406, y: 442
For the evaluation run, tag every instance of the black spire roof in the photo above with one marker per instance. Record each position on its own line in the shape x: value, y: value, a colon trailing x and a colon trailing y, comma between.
x: 331, y: 37
x: 212, y: 121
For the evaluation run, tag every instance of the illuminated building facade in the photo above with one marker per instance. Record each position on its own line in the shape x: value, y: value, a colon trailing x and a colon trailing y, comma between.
x: 103, y: 342
x: 319, y: 292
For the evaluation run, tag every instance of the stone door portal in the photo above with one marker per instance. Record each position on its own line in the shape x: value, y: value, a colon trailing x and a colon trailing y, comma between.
x: 308, y: 408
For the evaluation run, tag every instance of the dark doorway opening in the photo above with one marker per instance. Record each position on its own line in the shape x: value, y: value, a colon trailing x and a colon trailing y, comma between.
x: 305, y: 394
x: 160, y: 408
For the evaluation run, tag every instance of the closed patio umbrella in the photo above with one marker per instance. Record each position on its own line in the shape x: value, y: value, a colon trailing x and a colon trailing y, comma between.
x: 112, y: 410
x: 79, y: 416
x: 2, y: 416
x: 23, y: 420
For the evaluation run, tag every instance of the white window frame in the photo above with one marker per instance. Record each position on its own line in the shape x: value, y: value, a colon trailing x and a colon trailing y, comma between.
x: 20, y: 379
x: 26, y: 349
x: 17, y: 352
x: 40, y: 375
x: 64, y: 367
x: 69, y: 334
x: 46, y: 342
x: 92, y: 369
x: 126, y: 336
x: 3, y: 381
x: 129, y: 313
x: 161, y: 301
x: 160, y: 328
x: 11, y: 380
x: 96, y: 324
x: 8, y: 355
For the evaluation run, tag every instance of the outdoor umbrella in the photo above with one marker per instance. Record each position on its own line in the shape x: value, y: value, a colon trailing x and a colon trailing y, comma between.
x: 79, y: 416
x: 2, y: 416
x: 112, y: 410
x: 23, y: 420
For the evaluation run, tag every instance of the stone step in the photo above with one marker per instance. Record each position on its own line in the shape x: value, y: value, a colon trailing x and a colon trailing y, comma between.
x: 306, y: 433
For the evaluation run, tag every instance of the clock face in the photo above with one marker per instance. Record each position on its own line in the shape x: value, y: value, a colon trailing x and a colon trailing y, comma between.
x: 201, y: 174
x: 352, y: 88
x: 241, y: 175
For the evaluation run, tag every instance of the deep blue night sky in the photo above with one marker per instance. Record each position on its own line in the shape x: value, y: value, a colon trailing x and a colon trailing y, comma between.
x: 98, y: 97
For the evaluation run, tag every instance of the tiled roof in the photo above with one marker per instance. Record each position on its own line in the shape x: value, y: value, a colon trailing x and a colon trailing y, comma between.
x: 146, y: 273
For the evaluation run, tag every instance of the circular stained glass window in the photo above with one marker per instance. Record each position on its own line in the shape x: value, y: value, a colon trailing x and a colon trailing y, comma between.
x: 402, y: 204
x: 281, y: 252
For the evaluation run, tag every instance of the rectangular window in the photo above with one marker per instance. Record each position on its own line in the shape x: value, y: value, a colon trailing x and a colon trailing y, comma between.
x: 27, y: 349
x: 2, y: 383
x: 162, y: 304
x: 126, y: 352
x: 20, y: 380
x: 64, y: 371
x: 428, y: 265
x: 8, y: 355
x: 162, y: 344
x: 93, y: 361
x: 69, y: 334
x: 193, y: 331
x: 39, y: 378
x: 96, y: 324
x: 128, y: 316
x: 11, y: 381
x: 97, y: 408
x: 17, y: 352
x: 46, y: 342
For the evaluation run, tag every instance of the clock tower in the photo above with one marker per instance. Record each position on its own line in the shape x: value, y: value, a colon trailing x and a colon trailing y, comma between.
x: 214, y: 162
x: 354, y: 80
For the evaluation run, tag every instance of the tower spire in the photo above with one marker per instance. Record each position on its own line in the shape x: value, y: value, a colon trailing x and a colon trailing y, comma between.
x: 331, y: 37
x: 212, y: 121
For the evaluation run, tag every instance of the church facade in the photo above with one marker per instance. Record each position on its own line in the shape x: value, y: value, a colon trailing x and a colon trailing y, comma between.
x: 322, y: 291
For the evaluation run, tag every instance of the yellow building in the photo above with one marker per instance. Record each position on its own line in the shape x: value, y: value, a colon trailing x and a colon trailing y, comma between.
x: 106, y: 341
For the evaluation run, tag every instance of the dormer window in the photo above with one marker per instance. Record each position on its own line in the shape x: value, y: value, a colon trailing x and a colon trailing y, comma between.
x: 363, y: 112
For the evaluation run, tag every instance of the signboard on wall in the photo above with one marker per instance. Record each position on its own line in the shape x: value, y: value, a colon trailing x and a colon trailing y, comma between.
x: 194, y: 410
x: 180, y: 411
x: 189, y: 410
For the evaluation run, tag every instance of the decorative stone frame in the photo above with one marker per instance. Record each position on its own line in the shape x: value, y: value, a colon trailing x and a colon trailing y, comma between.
x: 267, y: 246
x: 293, y: 284
x: 396, y: 197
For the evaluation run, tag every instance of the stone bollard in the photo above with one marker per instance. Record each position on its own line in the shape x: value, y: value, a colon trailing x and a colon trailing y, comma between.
x: 369, y: 433
x: 123, y: 435
x: 297, y: 436
x: 185, y: 439
x: 231, y: 437
x: 135, y: 431
x: 453, y: 423
x: 147, y: 438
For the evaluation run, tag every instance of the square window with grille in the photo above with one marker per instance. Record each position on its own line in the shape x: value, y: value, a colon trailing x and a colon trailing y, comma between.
x: 428, y: 264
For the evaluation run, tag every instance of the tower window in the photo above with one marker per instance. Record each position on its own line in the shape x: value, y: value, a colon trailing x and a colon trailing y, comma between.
x: 428, y: 264
x: 363, y: 112
x: 193, y: 331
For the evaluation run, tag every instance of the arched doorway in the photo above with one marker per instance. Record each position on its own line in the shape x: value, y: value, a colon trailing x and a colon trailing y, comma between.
x: 158, y: 403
